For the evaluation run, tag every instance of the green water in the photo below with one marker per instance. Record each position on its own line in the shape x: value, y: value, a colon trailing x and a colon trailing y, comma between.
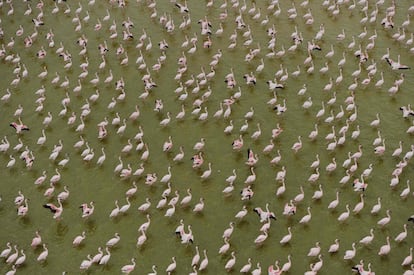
x: 89, y: 182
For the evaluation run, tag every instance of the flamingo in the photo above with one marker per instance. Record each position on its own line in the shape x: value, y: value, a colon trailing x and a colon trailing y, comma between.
x: 55, y: 178
x: 369, y: 238
x: 281, y: 190
x: 315, y: 163
x: 11, y: 162
x: 242, y: 213
x: 331, y: 166
x: 62, y: 196
x: 112, y: 242
x: 204, y: 262
x: 257, y: 133
x: 401, y: 236
x: 376, y: 122
x: 207, y: 172
x: 142, y: 238
x: 251, y: 178
x: 396, y: 65
x: 131, y: 191
x: 314, y: 251
x: 297, y: 145
x: 380, y: 149
x: 145, y: 225
x: 186, y: 238
x: 350, y: 254
x: 377, y: 207
x: 87, y: 210
x: 318, y: 193
x: 186, y: 200
x: 229, y: 231
x: 225, y: 247
x: 56, y: 210
x: 238, y: 143
x: 314, y: 133
x: 19, y: 127
x: 199, y: 146
x: 232, y: 178
x: 12, y: 257
x: 126, y: 269
x: 231, y: 262
x: 358, y: 207
x: 227, y: 190
x: 23, y: 209
x: 172, y: 266
x: 299, y: 197
x: 257, y: 270
x: 406, y: 191
x: 333, y: 248
x: 315, y: 176
x: 199, y: 206
x: 179, y: 156
x: 385, y: 249
x: 167, y: 177
x: 305, y: 219
x: 18, y: 146
x: 318, y: 265
x: 285, y: 239
x: 264, y: 214
x: 367, y: 171
x: 36, y: 241
x: 343, y: 216
x: 384, y: 221
x: 274, y: 270
x: 98, y: 256
x: 408, y: 260
x: 145, y: 206
x: 43, y: 256
x: 333, y: 204
x: 78, y: 239
x: 20, y: 260
x: 115, y: 211
x: 105, y: 258
x: 5, y: 252
x: 246, y: 268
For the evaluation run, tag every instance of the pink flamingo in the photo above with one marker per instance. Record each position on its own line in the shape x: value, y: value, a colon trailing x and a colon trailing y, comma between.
x: 19, y: 126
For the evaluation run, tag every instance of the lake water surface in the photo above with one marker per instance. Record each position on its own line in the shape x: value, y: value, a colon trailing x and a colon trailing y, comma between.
x: 87, y: 181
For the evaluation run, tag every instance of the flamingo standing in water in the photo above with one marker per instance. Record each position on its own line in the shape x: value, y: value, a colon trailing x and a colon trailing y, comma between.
x: 105, y: 258
x: 6, y: 251
x: 78, y: 239
x: 334, y: 247
x: 386, y: 248
x: 287, y: 237
x: 115, y: 211
x: 43, y: 256
x: 126, y: 269
x: 274, y: 270
x: 297, y: 145
x: 172, y: 266
x: 112, y: 242
x: 37, y: 240
x: 238, y: 143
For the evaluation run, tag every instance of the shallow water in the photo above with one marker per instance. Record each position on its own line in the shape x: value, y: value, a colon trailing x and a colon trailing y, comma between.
x: 88, y: 182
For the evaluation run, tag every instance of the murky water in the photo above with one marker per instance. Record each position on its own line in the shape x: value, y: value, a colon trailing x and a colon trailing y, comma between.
x: 88, y: 181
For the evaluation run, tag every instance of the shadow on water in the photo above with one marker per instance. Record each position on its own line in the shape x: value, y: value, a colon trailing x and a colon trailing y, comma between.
x: 90, y: 225
x: 61, y: 228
